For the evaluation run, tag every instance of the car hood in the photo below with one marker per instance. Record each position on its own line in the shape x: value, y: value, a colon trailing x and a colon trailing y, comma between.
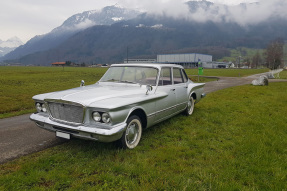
x: 98, y: 95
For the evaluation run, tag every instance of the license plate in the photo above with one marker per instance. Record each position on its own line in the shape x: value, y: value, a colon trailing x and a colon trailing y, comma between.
x: 63, y: 135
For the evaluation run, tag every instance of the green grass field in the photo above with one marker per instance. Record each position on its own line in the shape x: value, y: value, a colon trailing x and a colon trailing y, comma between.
x: 282, y: 75
x: 235, y: 140
x: 19, y: 84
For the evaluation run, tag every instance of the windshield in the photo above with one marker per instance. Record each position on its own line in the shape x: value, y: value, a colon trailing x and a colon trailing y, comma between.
x: 131, y: 74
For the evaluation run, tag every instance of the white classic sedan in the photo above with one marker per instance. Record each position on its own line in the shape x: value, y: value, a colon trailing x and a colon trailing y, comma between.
x: 126, y: 100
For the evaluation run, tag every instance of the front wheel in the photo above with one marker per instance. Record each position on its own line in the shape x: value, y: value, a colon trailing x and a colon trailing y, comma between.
x: 132, y: 135
x: 190, y: 106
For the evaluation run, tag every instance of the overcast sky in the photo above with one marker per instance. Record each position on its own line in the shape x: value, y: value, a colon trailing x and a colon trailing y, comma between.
x: 27, y: 18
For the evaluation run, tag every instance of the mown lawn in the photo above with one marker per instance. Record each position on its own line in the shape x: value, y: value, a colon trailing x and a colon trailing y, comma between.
x: 235, y: 140
x: 19, y: 84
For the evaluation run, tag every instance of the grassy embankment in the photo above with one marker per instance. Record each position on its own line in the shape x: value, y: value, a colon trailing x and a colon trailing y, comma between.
x: 282, y: 75
x: 19, y: 84
x: 239, y: 143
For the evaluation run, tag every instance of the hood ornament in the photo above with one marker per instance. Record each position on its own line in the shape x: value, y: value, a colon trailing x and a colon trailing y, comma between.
x: 148, y: 89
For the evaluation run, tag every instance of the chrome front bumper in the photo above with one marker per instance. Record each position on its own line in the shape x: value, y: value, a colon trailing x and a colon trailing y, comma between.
x: 82, y: 132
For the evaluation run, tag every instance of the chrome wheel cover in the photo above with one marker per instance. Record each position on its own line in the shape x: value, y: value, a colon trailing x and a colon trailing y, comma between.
x: 133, y: 133
x: 190, y: 105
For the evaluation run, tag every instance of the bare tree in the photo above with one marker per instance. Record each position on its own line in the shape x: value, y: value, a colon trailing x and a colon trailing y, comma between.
x: 274, y: 54
x: 256, y: 60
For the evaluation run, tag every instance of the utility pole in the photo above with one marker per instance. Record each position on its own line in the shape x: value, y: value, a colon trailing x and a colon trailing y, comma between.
x: 285, y: 54
x: 127, y: 54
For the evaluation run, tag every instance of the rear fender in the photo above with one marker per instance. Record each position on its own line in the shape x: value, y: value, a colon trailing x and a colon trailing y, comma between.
x: 196, y: 90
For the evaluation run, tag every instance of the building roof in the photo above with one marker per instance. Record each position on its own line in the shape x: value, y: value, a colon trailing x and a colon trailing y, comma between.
x: 59, y: 63
x: 154, y: 65
x: 187, y: 54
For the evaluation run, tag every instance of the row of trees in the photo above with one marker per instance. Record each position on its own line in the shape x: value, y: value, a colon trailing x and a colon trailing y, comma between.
x: 274, y: 54
x: 272, y: 57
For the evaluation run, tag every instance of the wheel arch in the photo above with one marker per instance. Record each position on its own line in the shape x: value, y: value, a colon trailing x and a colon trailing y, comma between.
x: 141, y: 114
x: 193, y: 94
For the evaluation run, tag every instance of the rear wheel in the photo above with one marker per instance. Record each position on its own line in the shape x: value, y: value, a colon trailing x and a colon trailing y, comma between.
x: 132, y: 135
x: 190, y: 106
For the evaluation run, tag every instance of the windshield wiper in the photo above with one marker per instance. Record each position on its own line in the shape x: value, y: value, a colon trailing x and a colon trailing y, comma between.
x: 111, y: 80
x: 130, y: 82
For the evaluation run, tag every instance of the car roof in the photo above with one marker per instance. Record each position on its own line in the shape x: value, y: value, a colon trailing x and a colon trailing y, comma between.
x: 154, y: 65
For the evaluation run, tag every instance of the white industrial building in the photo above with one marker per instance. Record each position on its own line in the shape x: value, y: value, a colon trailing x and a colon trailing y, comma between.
x: 130, y: 60
x: 189, y: 60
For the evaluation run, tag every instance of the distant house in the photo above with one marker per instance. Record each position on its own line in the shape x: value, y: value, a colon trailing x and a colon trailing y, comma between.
x: 58, y: 63
x: 218, y: 64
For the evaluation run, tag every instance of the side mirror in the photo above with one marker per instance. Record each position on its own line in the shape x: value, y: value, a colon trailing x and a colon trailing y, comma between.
x: 82, y: 83
x: 148, y: 89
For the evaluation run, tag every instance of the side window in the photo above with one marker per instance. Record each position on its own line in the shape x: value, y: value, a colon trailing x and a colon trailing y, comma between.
x: 165, y: 77
x: 185, y: 79
x: 177, y: 76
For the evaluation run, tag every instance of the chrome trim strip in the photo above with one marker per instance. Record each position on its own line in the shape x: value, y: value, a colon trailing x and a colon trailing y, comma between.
x: 170, y: 108
x: 63, y: 101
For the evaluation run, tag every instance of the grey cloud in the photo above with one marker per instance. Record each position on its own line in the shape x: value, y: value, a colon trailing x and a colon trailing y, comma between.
x: 243, y: 15
x: 173, y: 8
x: 259, y: 12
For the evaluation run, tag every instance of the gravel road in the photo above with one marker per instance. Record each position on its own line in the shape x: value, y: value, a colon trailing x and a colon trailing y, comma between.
x: 19, y: 136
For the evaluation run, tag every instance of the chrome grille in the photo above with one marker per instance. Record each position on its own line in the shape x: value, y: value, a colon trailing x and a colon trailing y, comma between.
x: 66, y: 112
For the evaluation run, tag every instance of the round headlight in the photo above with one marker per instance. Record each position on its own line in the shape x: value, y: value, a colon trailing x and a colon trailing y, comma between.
x: 38, y: 107
x: 97, y: 116
x: 106, y: 118
x: 44, y: 109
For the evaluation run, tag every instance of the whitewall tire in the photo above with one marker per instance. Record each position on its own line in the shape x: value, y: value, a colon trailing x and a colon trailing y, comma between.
x: 132, y: 135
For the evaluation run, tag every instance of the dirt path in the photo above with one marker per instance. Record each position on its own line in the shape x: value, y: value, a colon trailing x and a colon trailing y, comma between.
x: 19, y: 136
x: 227, y: 82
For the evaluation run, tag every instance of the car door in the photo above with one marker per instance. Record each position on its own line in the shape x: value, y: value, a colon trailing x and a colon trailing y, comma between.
x: 165, y: 106
x: 180, y: 86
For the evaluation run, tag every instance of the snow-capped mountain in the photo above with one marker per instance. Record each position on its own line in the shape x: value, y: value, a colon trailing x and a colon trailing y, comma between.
x: 107, y: 16
x: 9, y: 45
x: 76, y: 23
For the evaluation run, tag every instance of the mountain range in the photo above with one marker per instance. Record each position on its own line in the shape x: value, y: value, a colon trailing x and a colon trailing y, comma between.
x: 9, y: 45
x: 71, y: 26
x: 105, y: 36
